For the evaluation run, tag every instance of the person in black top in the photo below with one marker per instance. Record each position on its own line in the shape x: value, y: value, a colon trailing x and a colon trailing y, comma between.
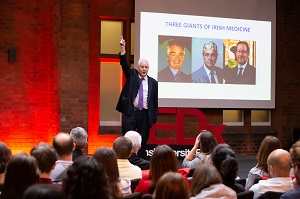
x: 136, y: 140
x: 79, y: 136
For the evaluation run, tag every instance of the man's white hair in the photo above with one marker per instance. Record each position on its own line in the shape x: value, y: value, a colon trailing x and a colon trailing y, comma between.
x: 79, y: 136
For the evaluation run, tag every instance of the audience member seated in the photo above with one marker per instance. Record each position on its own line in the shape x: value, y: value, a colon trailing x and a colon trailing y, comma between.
x: 223, y: 158
x: 269, y: 144
x: 21, y: 172
x: 46, y: 157
x: 123, y: 147
x: 171, y: 185
x: 64, y: 146
x: 295, y: 156
x: 86, y: 179
x: 206, y: 142
x: 42, y: 191
x: 136, y: 140
x: 5, y: 155
x: 79, y: 136
x: 108, y: 158
x: 162, y: 161
x: 207, y: 183
x: 279, y: 174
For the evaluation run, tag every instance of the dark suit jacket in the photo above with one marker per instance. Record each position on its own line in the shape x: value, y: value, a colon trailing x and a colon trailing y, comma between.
x: 130, y: 90
x: 76, y: 154
x: 248, y: 77
x: 140, y: 162
x: 166, y: 75
x: 200, y: 75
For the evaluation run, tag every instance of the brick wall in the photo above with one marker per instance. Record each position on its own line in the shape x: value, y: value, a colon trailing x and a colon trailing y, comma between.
x: 74, y: 63
x: 29, y: 87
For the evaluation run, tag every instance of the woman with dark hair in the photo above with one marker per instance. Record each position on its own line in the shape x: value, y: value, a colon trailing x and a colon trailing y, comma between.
x: 42, y: 191
x: 268, y: 144
x: 171, y: 185
x: 206, y: 142
x: 162, y: 161
x: 21, y: 172
x: 108, y: 158
x: 207, y: 183
x: 5, y: 155
x: 86, y: 179
x: 223, y: 158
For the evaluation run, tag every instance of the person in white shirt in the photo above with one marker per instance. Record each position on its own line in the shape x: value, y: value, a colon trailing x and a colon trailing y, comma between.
x: 206, y: 142
x: 279, y: 173
x: 269, y: 144
x: 207, y: 183
x: 64, y: 146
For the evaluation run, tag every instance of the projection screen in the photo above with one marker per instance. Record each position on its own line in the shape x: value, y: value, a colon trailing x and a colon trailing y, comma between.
x: 195, y: 23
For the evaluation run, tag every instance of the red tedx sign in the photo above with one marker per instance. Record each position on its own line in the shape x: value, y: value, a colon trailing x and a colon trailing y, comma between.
x: 178, y: 127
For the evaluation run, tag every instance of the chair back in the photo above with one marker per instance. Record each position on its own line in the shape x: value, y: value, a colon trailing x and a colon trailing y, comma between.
x: 147, y: 196
x: 134, y: 183
x: 191, y: 172
x: 241, y: 181
x: 271, y: 195
x: 245, y: 195
x: 256, y: 180
x: 135, y: 195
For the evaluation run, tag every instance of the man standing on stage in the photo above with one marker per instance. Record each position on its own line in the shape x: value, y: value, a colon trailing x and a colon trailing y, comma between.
x: 138, y: 100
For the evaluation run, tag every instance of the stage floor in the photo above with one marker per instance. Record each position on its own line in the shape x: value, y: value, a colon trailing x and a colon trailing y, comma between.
x: 246, y: 163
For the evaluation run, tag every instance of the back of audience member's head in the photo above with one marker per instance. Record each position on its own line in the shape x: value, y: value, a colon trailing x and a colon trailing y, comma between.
x: 42, y: 191
x: 79, y: 136
x: 295, y: 156
x: 162, y: 161
x: 207, y: 141
x: 86, y: 179
x: 223, y: 158
x: 279, y: 163
x: 268, y: 144
x: 22, y: 171
x: 171, y: 185
x: 136, y: 140
x: 5, y: 155
x: 204, y: 176
x: 108, y: 159
x: 45, y: 155
x: 63, y: 144
x: 122, y: 146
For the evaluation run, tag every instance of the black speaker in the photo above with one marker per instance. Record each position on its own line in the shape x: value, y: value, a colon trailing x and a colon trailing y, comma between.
x: 12, y: 57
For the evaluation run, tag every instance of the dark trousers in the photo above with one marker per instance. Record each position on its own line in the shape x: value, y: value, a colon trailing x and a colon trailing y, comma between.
x: 137, y: 121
